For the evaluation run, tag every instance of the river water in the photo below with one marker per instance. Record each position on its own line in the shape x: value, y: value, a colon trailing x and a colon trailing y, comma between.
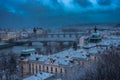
x: 18, y: 49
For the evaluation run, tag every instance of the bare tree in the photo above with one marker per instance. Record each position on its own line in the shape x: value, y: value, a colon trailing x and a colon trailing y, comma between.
x: 106, y: 67
x: 8, y: 66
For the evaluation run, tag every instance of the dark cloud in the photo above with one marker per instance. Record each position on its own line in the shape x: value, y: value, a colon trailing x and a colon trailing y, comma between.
x: 84, y: 3
x: 20, y: 6
x: 57, y: 12
x: 104, y: 2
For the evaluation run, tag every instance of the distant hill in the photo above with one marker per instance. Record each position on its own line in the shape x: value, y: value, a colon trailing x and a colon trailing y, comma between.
x: 91, y: 25
x: 118, y: 25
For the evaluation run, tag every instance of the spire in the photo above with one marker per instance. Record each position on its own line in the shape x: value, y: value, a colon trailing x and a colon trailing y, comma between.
x: 34, y: 30
x: 95, y: 29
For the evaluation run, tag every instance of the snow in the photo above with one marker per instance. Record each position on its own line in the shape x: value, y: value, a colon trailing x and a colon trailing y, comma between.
x: 115, y: 37
x: 93, y: 50
x: 39, y: 76
x: 28, y: 50
x: 108, y: 42
x: 65, y: 57
x: 58, y: 79
x: 61, y: 58
x: 90, y: 45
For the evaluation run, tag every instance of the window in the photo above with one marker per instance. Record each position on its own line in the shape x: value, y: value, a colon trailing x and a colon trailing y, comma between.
x: 47, y: 68
x: 39, y: 67
x: 33, y: 68
x: 36, y: 69
x: 30, y: 68
x: 43, y: 68
x: 51, y: 69
x: 56, y: 70
x: 61, y: 70
x: 22, y: 70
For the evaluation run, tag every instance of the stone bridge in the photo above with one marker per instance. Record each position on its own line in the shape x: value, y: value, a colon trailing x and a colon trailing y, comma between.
x: 51, y: 37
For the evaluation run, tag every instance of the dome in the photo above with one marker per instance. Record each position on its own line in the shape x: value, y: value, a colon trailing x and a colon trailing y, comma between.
x: 95, y: 37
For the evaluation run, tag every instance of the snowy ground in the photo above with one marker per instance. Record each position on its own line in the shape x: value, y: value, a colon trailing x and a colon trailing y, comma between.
x: 39, y: 76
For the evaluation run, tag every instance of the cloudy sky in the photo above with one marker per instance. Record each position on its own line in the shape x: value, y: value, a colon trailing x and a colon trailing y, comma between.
x: 47, y: 13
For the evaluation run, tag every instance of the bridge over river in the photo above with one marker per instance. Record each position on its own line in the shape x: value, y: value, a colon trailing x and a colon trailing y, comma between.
x: 51, y: 37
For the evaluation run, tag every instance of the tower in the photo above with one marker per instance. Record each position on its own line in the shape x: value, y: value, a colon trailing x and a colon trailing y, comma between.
x: 95, y: 36
x: 34, y: 30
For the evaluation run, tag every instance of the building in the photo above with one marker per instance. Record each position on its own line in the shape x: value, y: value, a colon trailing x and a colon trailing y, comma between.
x: 40, y: 31
x: 95, y: 37
x: 1, y: 35
x: 26, y: 33
x: 60, y: 63
x: 5, y: 36
x: 32, y: 63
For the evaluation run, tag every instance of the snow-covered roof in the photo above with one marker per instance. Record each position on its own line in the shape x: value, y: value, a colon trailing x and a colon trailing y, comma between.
x: 28, y: 50
x: 109, y: 42
x: 93, y: 50
x: 106, y: 42
x: 58, y: 79
x: 61, y: 58
x: 115, y: 37
x: 65, y: 57
x: 90, y: 45
x: 39, y: 76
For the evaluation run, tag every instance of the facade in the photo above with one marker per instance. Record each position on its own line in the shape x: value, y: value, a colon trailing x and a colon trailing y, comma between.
x: 39, y: 31
x: 35, y: 67
x: 5, y: 36
x: 60, y: 63
x: 25, y: 33
x: 57, y: 64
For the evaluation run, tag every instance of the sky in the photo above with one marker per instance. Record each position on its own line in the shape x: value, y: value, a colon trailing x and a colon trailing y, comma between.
x: 52, y: 13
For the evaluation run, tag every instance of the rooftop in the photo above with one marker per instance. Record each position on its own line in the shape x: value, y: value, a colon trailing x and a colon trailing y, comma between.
x: 65, y: 57
x: 28, y: 50
x: 61, y: 58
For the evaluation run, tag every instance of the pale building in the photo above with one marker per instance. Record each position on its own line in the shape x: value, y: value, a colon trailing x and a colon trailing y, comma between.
x: 57, y: 64
x: 39, y: 31
x: 9, y: 35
